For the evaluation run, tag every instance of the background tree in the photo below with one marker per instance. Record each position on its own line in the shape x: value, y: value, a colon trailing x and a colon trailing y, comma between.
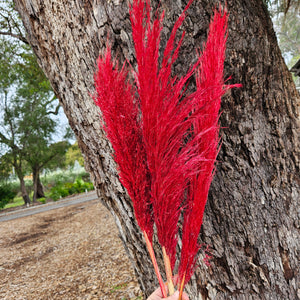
x: 6, y: 194
x: 74, y: 154
x: 282, y: 6
x: 28, y: 104
x: 8, y: 132
x: 7, y: 172
x: 30, y: 99
x: 288, y: 31
x: 251, y: 218
x: 10, y: 22
x: 59, y: 150
x: 43, y: 155
x: 6, y: 169
x: 36, y: 126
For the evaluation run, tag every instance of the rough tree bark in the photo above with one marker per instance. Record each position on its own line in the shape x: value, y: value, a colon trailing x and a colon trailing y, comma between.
x: 23, y: 190
x: 251, y: 221
x: 17, y: 163
x: 38, y: 189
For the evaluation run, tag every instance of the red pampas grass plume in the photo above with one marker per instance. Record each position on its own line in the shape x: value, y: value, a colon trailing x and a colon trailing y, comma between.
x: 210, y: 88
x: 115, y: 97
x: 165, y: 142
x: 166, y: 119
x: 121, y: 121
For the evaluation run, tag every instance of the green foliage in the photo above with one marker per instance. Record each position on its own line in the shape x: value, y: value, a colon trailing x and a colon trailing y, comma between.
x: 74, y: 154
x: 23, y: 104
x: 81, y: 186
x: 282, y: 6
x: 27, y: 104
x: 62, y: 177
x: 57, y: 186
x: 6, y: 194
x: 42, y: 200
x: 10, y: 22
x: 287, y: 27
x: 288, y: 31
x: 17, y: 201
x: 51, y: 156
x: 5, y: 167
x: 68, y: 188
x: 59, y: 191
x: 15, y: 186
x: 58, y: 151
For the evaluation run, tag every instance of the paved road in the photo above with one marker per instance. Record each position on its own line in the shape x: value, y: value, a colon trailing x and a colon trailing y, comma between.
x: 24, y: 212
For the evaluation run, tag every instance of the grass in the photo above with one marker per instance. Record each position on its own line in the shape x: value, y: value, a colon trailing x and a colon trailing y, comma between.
x: 18, y: 201
x: 121, y: 286
x: 118, y: 287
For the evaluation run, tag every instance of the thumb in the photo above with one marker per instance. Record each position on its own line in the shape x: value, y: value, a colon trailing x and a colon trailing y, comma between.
x: 175, y: 296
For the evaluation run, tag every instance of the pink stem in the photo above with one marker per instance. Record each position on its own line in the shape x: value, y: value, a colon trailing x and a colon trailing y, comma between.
x: 155, y: 265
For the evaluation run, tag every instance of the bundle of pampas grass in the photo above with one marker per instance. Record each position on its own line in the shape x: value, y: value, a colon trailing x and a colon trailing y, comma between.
x: 165, y: 140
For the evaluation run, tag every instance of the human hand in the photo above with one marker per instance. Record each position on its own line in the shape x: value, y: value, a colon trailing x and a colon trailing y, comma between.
x: 157, y: 295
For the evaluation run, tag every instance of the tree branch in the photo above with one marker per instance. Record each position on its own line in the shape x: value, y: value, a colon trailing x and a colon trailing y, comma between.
x: 4, y: 139
x: 19, y: 37
x: 55, y: 112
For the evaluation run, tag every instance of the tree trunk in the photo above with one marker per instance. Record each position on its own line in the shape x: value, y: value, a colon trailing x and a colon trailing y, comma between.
x: 251, y: 221
x: 38, y: 190
x: 23, y: 189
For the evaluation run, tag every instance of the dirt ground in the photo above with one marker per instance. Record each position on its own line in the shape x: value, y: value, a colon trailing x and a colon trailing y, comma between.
x: 67, y: 253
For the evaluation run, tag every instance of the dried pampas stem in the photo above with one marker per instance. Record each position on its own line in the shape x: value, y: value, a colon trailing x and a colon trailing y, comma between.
x: 168, y: 272
x: 155, y: 265
x: 181, y: 286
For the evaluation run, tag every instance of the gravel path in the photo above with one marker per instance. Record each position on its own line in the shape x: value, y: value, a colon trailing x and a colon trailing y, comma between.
x: 68, y: 253
x: 28, y: 211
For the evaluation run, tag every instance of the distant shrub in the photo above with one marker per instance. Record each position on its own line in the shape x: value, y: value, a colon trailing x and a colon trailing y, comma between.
x: 81, y: 186
x: 85, y: 176
x: 6, y: 194
x: 63, y: 177
x: 42, y: 200
x: 61, y: 190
